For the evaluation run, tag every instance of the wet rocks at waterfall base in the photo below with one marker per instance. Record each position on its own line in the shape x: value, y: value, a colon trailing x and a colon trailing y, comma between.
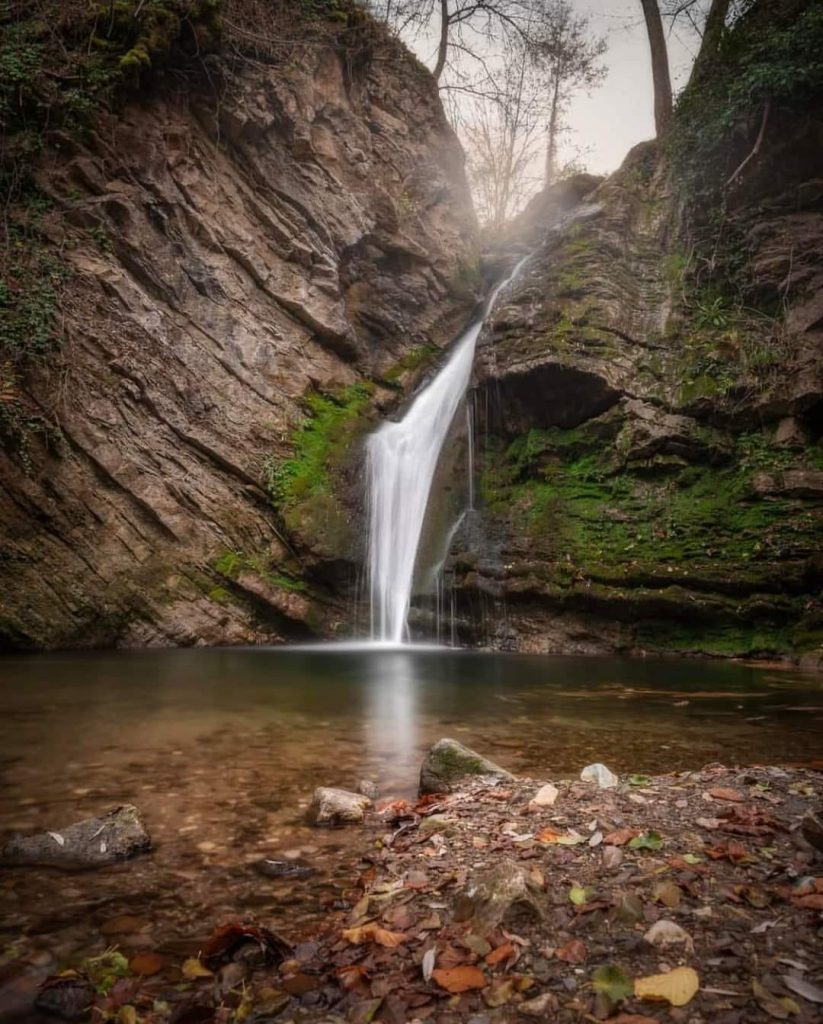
x: 448, y: 763
x: 331, y: 806
x: 92, y: 843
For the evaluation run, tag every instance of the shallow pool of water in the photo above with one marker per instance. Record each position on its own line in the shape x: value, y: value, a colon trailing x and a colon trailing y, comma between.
x: 220, y: 749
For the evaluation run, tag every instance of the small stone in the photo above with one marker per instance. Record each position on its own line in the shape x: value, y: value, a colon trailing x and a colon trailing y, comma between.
x: 448, y: 762
x: 544, y: 797
x: 612, y: 857
x: 337, y: 807
x: 600, y: 775
x: 271, y: 868
x: 540, y: 1006
x: 368, y: 788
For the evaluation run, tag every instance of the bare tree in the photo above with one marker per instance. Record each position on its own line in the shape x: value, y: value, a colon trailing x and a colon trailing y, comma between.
x: 568, y: 58
x: 502, y: 134
x: 661, y: 76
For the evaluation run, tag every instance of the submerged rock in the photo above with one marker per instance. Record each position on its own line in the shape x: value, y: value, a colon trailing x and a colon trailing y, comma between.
x: 92, y: 843
x: 68, y: 996
x: 600, y: 775
x: 449, y: 761
x: 337, y: 807
x: 282, y: 868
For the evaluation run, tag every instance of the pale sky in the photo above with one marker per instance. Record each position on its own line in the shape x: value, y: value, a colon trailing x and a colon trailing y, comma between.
x: 620, y: 112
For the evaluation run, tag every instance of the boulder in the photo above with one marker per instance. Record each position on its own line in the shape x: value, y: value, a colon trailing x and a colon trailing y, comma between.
x: 92, y: 843
x: 600, y: 775
x: 337, y: 807
x: 448, y: 762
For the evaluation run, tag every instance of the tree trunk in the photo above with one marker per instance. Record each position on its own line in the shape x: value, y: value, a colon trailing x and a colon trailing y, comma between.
x: 660, y: 66
x: 551, y: 141
x: 444, y: 40
x: 712, y: 35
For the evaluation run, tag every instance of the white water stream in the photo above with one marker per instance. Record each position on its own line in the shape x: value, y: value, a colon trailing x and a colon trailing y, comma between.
x: 401, y: 462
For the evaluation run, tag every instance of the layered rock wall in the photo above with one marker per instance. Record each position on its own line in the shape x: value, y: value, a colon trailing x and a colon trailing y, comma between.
x: 247, y: 250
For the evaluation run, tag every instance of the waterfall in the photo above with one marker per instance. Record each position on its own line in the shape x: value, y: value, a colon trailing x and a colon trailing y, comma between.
x: 401, y: 461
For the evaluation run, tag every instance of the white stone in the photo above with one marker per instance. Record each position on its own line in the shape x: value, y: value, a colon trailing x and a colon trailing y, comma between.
x: 544, y: 797
x: 600, y: 775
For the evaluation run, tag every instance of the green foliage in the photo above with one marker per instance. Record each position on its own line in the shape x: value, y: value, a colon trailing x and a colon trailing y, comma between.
x: 99, y: 47
x: 232, y: 564
x: 414, y: 359
x: 323, y: 440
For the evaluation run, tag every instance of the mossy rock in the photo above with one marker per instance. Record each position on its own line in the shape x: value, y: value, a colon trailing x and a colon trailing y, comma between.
x: 449, y: 762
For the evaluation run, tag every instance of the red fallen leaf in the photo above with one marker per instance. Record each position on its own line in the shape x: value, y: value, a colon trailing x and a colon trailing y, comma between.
x: 620, y: 837
x: 459, y: 979
x: 147, y: 964
x: 734, y: 852
x: 812, y: 902
x: 499, y: 794
x: 719, y: 793
x: 548, y: 835
x: 681, y: 865
x: 574, y: 952
x: 351, y: 977
x: 501, y: 953
x: 395, y: 810
x: 425, y: 804
x: 227, y: 938
x: 451, y: 956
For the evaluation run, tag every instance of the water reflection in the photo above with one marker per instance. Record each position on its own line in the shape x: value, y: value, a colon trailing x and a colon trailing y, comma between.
x: 391, y: 716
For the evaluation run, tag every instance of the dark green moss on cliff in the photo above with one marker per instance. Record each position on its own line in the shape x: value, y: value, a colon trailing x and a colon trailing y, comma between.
x: 723, y: 568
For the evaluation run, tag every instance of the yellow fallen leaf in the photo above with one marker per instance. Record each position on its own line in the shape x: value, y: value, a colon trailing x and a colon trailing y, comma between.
x: 373, y: 931
x: 678, y: 987
x: 192, y: 968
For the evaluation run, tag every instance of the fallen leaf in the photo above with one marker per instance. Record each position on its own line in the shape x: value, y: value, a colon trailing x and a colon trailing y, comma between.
x: 499, y: 992
x: 620, y: 837
x: 734, y: 852
x: 639, y: 780
x: 580, y: 895
x: 802, y: 988
x: 192, y: 968
x: 459, y: 979
x: 769, y: 1002
x: 612, y: 982
x: 719, y: 793
x: 227, y: 938
x: 427, y: 966
x: 666, y: 933
x: 812, y: 902
x: 501, y: 953
x: 365, y: 932
x: 668, y: 894
x: 352, y: 976
x: 646, y: 841
x: 147, y: 964
x: 573, y: 952
x: 678, y: 987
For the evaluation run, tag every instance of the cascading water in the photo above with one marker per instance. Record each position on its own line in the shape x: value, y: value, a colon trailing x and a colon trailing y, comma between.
x: 401, y: 462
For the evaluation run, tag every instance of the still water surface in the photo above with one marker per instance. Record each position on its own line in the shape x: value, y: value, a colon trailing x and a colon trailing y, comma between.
x: 220, y: 749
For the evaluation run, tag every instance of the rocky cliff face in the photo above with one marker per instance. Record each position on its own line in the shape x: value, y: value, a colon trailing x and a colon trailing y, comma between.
x: 257, y: 259
x: 650, y: 465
